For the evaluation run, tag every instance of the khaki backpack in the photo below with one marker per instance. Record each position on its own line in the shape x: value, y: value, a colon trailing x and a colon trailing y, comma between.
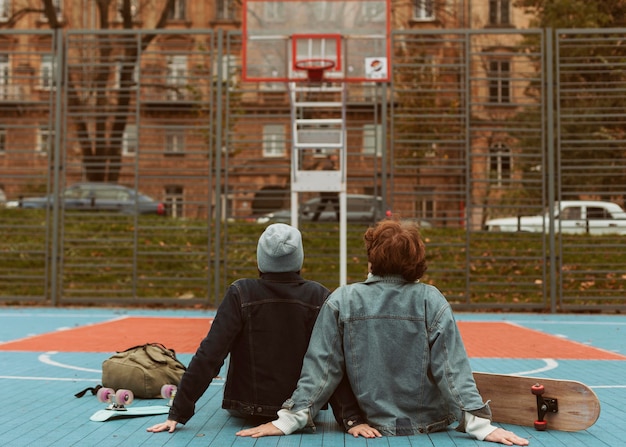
x: 142, y: 370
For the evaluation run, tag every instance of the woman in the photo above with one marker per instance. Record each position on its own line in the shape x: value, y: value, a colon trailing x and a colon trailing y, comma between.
x: 397, y: 341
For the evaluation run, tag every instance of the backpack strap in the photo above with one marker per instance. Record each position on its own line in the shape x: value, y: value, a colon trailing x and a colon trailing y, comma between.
x: 94, y: 391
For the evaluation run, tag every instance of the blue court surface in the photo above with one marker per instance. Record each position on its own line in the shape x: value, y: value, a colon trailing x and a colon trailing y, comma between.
x: 39, y: 376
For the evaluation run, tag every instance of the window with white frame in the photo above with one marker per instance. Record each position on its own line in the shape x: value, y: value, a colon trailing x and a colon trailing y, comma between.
x: 45, y: 140
x: 5, y: 10
x: 225, y: 9
x: 322, y: 11
x: 500, y: 163
x: 373, y: 139
x: 271, y: 70
x: 374, y: 11
x: 4, y: 75
x: 174, y: 200
x: 177, y: 76
x: 499, y: 12
x: 130, y: 140
x: 47, y: 73
x: 174, y: 140
x: 423, y: 9
x: 425, y: 206
x: 177, y: 10
x: 118, y: 75
x: 274, y: 12
x: 274, y: 140
x: 499, y: 82
x: 225, y: 67
x: 134, y: 8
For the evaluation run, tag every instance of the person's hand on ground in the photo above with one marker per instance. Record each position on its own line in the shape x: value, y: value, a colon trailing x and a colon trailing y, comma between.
x: 505, y: 437
x: 364, y: 430
x: 168, y: 425
x: 268, y: 429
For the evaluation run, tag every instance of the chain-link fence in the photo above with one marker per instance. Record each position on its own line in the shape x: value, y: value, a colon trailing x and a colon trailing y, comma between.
x: 476, y: 126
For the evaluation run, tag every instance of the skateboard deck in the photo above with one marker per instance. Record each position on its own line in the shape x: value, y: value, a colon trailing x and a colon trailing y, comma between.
x: 120, y: 400
x: 551, y: 404
x: 107, y: 414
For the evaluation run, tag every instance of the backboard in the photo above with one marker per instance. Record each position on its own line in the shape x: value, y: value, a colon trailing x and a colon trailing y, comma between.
x: 349, y: 38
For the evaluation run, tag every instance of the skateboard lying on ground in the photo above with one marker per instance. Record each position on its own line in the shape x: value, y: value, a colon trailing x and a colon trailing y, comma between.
x: 541, y: 403
x: 120, y: 400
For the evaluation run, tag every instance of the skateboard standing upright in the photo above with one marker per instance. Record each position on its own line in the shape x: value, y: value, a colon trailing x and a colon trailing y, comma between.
x: 552, y: 404
x: 119, y: 404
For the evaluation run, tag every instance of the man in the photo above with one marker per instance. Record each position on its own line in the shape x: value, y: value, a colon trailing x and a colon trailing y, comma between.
x: 265, y: 324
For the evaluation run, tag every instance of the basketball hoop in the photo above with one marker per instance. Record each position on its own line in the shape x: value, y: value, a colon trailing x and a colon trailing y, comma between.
x: 314, y: 67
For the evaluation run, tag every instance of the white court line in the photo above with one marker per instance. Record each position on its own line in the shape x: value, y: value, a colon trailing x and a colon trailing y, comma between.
x: 57, y: 379
x: 550, y: 364
x: 215, y: 382
x: 45, y: 358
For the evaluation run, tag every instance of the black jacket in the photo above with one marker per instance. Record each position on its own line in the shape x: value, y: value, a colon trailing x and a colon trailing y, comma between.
x: 265, y: 324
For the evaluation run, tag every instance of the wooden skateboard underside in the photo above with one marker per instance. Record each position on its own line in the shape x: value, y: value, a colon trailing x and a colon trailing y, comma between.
x: 512, y: 401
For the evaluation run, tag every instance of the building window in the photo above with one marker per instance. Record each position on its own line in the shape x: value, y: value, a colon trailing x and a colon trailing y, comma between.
x: 425, y: 207
x: 274, y: 140
x: 177, y: 77
x: 374, y: 11
x: 174, y: 140
x: 4, y: 75
x: 45, y: 140
x: 499, y: 82
x: 499, y: 12
x: 174, y: 200
x: 423, y: 9
x: 373, y: 139
x: 225, y: 69
x: 5, y: 10
x: 3, y: 140
x: 47, y: 78
x: 130, y: 140
x: 274, y: 12
x: 118, y: 75
x: 133, y: 9
x: 225, y: 10
x: 177, y: 11
x: 499, y: 163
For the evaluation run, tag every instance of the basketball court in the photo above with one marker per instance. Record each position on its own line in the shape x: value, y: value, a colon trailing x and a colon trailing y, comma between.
x: 47, y: 355
x: 313, y: 48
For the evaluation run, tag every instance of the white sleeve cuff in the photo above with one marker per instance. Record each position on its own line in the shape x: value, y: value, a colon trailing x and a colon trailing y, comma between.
x: 289, y: 422
x: 477, y: 427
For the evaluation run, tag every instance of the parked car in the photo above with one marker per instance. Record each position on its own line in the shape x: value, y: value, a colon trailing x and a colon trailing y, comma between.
x: 360, y: 208
x: 571, y: 217
x: 106, y: 197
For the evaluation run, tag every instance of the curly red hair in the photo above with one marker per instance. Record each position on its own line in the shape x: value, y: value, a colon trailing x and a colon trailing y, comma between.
x: 396, y: 248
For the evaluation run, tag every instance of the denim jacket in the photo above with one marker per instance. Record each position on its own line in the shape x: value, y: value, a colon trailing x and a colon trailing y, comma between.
x: 400, y: 347
x: 265, y: 324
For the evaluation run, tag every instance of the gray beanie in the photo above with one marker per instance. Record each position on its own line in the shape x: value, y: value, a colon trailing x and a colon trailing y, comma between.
x: 280, y: 249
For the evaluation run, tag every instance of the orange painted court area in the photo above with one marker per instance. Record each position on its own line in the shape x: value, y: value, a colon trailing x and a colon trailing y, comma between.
x: 482, y: 339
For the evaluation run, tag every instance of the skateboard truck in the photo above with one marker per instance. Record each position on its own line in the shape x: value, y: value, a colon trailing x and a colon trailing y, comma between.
x: 544, y: 405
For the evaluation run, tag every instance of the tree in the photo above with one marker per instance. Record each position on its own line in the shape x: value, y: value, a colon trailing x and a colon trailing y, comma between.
x: 591, y: 54
x: 100, y: 133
